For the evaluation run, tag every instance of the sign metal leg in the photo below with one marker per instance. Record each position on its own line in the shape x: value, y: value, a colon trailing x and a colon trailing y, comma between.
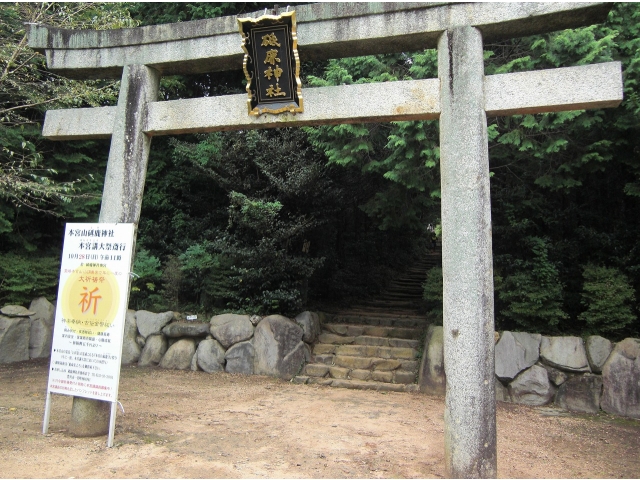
x: 112, y: 423
x: 47, y: 414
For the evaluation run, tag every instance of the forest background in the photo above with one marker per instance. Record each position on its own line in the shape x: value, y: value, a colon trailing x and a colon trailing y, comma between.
x: 277, y: 220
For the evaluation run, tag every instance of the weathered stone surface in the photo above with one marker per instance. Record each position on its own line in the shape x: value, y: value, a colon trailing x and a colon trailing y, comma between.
x: 431, y: 378
x: 310, y: 323
x: 240, y: 358
x: 598, y: 350
x: 140, y: 340
x: 355, y: 330
x: 621, y: 380
x: 89, y: 418
x: 210, y: 356
x: 325, y: 359
x: 353, y: 362
x: 15, y: 311
x: 581, y: 394
x: 194, y: 361
x: 130, y: 349
x: 300, y: 380
x: 14, y: 339
x: 323, y: 348
x: 386, y: 365
x: 231, y: 328
x: 557, y: 377
x: 337, y: 328
x: 502, y: 394
x: 279, y: 347
x: 186, y: 329
x: 316, y: 370
x: 514, y: 353
x: 150, y: 323
x: 320, y: 381
x: 255, y: 319
x: 358, y: 374
x: 335, y: 339
x: 367, y: 340
x: 207, y: 45
x: 179, y: 355
x: 155, y: 347
x: 401, y: 376
x: 403, y: 343
x: 565, y: 353
x: 532, y: 387
x: 41, y: 334
x: 339, y: 372
x: 379, y: 376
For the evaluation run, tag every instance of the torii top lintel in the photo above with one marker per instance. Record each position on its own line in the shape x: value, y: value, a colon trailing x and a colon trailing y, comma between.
x: 325, y: 30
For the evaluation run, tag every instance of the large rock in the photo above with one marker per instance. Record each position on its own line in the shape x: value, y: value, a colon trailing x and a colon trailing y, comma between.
x: 89, y: 418
x: 179, y: 355
x: 310, y: 323
x: 154, y: 349
x: 565, y: 353
x: 557, y: 377
x: 186, y: 329
x: 514, y: 353
x: 581, y: 394
x: 14, y: 339
x: 240, y: 358
x: 130, y: 349
x: 279, y: 348
x: 598, y: 350
x: 502, y: 394
x: 210, y: 356
x: 231, y: 328
x: 431, y: 378
x: 15, y: 311
x: 150, y: 323
x: 621, y: 380
x: 42, y: 321
x: 532, y: 387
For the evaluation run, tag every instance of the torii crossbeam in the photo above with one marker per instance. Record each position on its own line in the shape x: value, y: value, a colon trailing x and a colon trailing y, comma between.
x: 461, y: 98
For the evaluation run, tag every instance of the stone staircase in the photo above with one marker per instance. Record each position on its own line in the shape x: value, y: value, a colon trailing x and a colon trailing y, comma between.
x: 374, y: 345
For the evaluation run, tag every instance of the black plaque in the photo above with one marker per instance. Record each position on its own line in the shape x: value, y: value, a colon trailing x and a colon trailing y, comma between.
x: 271, y: 64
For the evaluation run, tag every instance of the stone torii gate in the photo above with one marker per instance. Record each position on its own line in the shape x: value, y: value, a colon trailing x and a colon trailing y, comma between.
x: 461, y: 98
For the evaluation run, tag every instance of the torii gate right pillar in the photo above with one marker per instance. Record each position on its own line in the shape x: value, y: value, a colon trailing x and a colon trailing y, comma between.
x: 467, y: 263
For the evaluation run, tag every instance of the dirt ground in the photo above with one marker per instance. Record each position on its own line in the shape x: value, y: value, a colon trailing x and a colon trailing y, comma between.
x: 199, y: 425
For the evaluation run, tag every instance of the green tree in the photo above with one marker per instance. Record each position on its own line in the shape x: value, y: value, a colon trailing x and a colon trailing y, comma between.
x: 37, y: 176
x: 608, y: 298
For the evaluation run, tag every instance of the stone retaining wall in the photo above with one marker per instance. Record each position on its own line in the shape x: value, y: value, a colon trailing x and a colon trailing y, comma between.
x: 273, y: 345
x: 576, y: 375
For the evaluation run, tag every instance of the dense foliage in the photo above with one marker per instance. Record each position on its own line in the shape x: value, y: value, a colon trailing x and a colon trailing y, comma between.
x: 279, y: 219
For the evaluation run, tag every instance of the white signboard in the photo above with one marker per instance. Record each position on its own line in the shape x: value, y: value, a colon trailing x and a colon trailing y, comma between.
x: 91, y: 308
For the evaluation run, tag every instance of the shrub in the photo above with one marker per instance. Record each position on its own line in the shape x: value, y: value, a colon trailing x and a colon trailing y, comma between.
x: 607, y: 297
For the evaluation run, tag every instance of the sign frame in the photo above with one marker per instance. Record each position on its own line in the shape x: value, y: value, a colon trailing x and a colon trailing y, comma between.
x: 279, y: 40
x: 91, y: 308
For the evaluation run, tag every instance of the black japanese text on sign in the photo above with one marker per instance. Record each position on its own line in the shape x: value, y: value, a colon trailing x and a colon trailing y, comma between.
x: 271, y: 64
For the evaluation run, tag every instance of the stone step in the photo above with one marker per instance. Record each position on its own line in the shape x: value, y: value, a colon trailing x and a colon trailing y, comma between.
x: 356, y: 384
x: 366, y: 363
x: 318, y: 370
x: 401, y: 296
x: 374, y: 331
x: 383, y: 321
x: 376, y: 351
x: 337, y: 339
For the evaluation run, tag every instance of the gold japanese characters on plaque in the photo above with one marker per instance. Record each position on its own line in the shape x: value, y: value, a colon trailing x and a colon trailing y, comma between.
x: 271, y: 63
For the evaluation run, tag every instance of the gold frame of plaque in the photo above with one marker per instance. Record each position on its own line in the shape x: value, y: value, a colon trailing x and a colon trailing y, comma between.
x: 271, y: 64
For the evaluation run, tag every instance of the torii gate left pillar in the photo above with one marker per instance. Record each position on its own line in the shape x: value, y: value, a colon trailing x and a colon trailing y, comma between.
x: 461, y: 98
